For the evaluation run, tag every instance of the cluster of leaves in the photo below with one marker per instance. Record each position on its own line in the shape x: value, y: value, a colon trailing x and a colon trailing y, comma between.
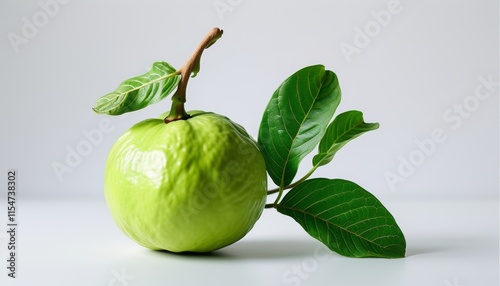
x: 339, y: 213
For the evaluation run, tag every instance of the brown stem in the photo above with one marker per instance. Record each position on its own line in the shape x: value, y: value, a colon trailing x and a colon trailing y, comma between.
x: 191, y: 67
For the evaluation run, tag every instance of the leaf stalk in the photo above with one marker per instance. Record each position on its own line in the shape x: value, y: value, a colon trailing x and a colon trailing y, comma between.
x: 293, y: 185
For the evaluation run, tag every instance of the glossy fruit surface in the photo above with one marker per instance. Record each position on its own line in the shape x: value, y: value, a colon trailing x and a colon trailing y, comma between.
x: 190, y: 185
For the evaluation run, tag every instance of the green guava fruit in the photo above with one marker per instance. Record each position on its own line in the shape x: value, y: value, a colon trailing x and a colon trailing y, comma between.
x: 193, y: 185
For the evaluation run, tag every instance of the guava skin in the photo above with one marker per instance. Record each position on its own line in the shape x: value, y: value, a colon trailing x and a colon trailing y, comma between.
x: 192, y: 185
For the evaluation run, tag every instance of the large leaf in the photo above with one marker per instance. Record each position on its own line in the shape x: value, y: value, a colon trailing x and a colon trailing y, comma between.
x: 344, y: 128
x: 345, y: 217
x: 295, y: 120
x: 139, y: 92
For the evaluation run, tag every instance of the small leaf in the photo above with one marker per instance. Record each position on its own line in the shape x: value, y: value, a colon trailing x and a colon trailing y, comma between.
x: 345, y: 217
x: 139, y: 92
x: 295, y: 120
x: 344, y: 128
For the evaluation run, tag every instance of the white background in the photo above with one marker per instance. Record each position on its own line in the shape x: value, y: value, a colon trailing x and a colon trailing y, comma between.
x: 411, y: 72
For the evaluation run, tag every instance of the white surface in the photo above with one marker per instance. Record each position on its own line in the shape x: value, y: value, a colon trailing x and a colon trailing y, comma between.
x: 64, y: 242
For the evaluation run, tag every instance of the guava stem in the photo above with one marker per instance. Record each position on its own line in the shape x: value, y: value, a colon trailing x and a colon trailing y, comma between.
x: 190, y: 67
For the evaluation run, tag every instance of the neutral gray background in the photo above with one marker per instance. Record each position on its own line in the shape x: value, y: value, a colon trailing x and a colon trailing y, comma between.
x: 409, y: 75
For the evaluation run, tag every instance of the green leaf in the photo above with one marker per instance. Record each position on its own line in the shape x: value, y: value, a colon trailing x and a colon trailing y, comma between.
x: 295, y: 120
x: 345, y: 217
x: 344, y: 128
x: 139, y: 92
